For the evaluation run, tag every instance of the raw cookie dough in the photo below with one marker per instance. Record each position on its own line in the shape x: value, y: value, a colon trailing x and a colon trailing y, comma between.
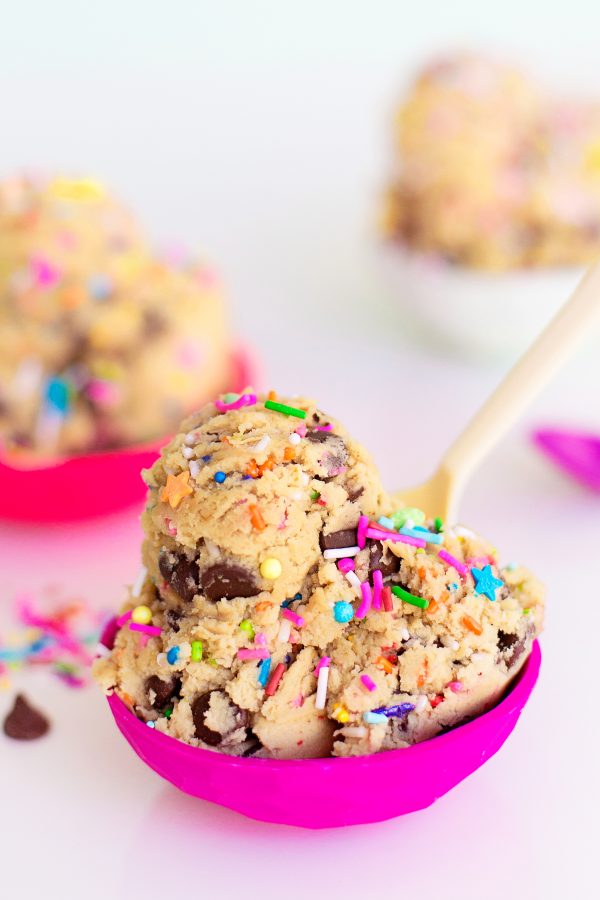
x: 245, y: 599
x: 492, y: 173
x: 102, y: 344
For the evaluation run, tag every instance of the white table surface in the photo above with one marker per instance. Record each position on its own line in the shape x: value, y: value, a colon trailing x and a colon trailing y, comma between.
x: 269, y: 153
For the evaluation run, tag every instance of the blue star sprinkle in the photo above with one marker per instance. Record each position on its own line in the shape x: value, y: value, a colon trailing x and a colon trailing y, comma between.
x: 485, y: 582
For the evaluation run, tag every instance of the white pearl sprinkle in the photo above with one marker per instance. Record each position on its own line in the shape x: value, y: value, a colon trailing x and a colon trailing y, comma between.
x: 190, y: 439
x: 420, y: 703
x: 187, y: 452
x: 262, y: 444
x: 294, y: 438
x: 405, y: 634
x: 194, y: 468
x: 161, y: 659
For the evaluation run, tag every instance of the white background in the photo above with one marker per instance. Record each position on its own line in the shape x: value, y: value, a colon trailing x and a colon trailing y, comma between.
x: 259, y: 132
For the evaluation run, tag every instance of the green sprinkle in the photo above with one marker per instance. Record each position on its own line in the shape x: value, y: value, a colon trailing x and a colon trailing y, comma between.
x: 314, y: 495
x: 410, y: 598
x: 526, y: 611
x: 246, y: 625
x: 401, y: 516
x: 230, y: 398
x: 286, y: 410
x: 438, y: 524
x: 197, y: 651
x: 168, y: 712
x: 212, y: 661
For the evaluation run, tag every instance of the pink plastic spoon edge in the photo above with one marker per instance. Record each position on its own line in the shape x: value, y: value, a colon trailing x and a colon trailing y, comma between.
x: 82, y: 487
x: 576, y: 452
x: 327, y: 793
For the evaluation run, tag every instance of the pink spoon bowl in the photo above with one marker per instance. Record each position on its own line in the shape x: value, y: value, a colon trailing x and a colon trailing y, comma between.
x: 577, y: 453
x: 328, y: 793
x: 81, y: 487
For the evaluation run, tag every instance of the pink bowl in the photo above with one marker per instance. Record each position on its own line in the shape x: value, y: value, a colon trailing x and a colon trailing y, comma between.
x: 80, y: 487
x: 326, y: 793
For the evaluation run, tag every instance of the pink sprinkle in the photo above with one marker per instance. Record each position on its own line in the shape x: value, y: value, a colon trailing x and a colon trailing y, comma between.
x: 146, y: 629
x: 368, y: 683
x: 301, y: 430
x: 322, y: 664
x: 170, y: 527
x: 365, y: 606
x: 293, y: 617
x: 253, y: 653
x: 377, y: 588
x: 260, y: 639
x: 379, y: 535
x: 144, y: 638
x: 124, y: 618
x: 244, y: 400
x: 104, y: 393
x: 455, y: 563
x: 45, y: 274
x: 346, y: 565
x: 456, y: 686
x: 361, y: 532
x: 328, y: 427
x: 478, y: 561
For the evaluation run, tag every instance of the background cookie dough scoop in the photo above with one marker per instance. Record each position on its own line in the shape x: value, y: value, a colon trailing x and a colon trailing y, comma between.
x: 329, y: 792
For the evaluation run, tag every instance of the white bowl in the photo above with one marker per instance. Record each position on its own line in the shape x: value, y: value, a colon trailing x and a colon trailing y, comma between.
x: 485, y: 314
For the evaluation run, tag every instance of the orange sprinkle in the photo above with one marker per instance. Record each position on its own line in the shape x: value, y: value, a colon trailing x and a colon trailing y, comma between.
x: 422, y: 573
x: 264, y: 604
x: 272, y: 395
x: 433, y: 605
x: 471, y: 624
x: 267, y: 465
x: 256, y: 518
x: 288, y: 454
x: 252, y: 469
x: 126, y: 699
x: 420, y: 681
x: 382, y: 663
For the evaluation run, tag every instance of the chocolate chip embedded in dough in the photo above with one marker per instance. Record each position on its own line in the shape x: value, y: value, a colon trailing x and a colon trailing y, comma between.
x: 346, y: 537
x: 24, y: 723
x: 514, y: 644
x: 200, y: 707
x: 163, y: 691
x: 180, y: 572
x: 354, y: 493
x: 225, y: 581
x: 318, y: 437
x: 381, y: 559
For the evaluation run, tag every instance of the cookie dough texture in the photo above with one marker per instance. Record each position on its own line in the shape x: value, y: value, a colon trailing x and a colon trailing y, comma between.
x: 294, y: 488
x: 492, y: 173
x: 102, y: 344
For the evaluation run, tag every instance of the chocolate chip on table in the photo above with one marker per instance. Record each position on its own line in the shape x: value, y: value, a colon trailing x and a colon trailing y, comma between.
x: 346, y: 537
x: 200, y: 707
x: 24, y: 723
x: 164, y: 691
x: 225, y: 581
x: 381, y: 559
x: 180, y: 572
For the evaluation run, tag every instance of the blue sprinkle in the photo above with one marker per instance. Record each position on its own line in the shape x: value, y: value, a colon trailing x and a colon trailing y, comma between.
x: 173, y: 655
x: 100, y: 286
x: 424, y: 534
x: 402, y: 709
x: 298, y: 596
x: 57, y: 395
x: 286, y: 604
x: 453, y: 586
x: 288, y: 658
x: 38, y: 645
x: 373, y: 718
x: 246, y: 477
x: 343, y: 611
x: 207, y: 458
x: 219, y: 477
x: 263, y: 671
x: 150, y: 724
x: 387, y: 523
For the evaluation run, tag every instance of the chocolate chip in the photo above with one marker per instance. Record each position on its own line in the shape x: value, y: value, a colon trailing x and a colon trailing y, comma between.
x: 255, y: 744
x: 506, y: 640
x: 384, y: 560
x: 24, y: 723
x: 512, y: 643
x: 346, y: 537
x: 200, y: 707
x: 227, y: 581
x: 317, y: 437
x: 153, y: 323
x: 173, y: 617
x: 164, y: 691
x: 354, y: 493
x: 180, y: 572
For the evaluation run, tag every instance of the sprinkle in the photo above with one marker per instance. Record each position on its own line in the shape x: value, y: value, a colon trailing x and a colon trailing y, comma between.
x: 471, y: 624
x: 353, y: 579
x: 377, y: 588
x: 340, y: 713
x: 405, y: 634
x: 407, y: 513
x: 187, y: 452
x: 124, y: 618
x: 293, y: 617
x: 245, y: 400
x: 324, y: 661
x: 168, y: 712
x: 252, y: 653
x: 285, y: 629
x: 340, y: 552
x: 260, y: 639
x: 378, y: 534
x: 263, y: 671
x: 368, y: 683
x: 314, y: 495
x: 46, y: 275
x: 386, y: 597
x: 438, y: 524
x: 402, y: 709
x: 100, y: 286
x: 435, y: 701
x: 365, y: 606
x: 286, y: 410
x: 410, y: 598
x: 301, y: 431
x: 197, y: 651
x: 526, y: 611
x: 271, y: 568
x: 219, y: 477
x: 150, y: 724
x: 485, y: 582
x: 386, y: 522
x: 142, y: 615
x: 294, y: 438
x: 246, y: 625
x: 424, y: 534
x: 361, y: 532
x: 322, y: 680
x: 194, y: 468
x: 262, y: 445
x: 454, y: 562
x: 288, y: 454
x: 354, y: 731
x: 256, y: 518
x: 420, y: 703
x: 275, y: 679
x: 345, y: 565
x: 191, y: 439
x: 343, y: 611
x: 207, y: 458
x: 176, y: 489
x: 57, y: 395
x: 372, y: 718
x: 384, y: 664
x: 173, y: 655
x: 138, y: 584
x: 455, y: 686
